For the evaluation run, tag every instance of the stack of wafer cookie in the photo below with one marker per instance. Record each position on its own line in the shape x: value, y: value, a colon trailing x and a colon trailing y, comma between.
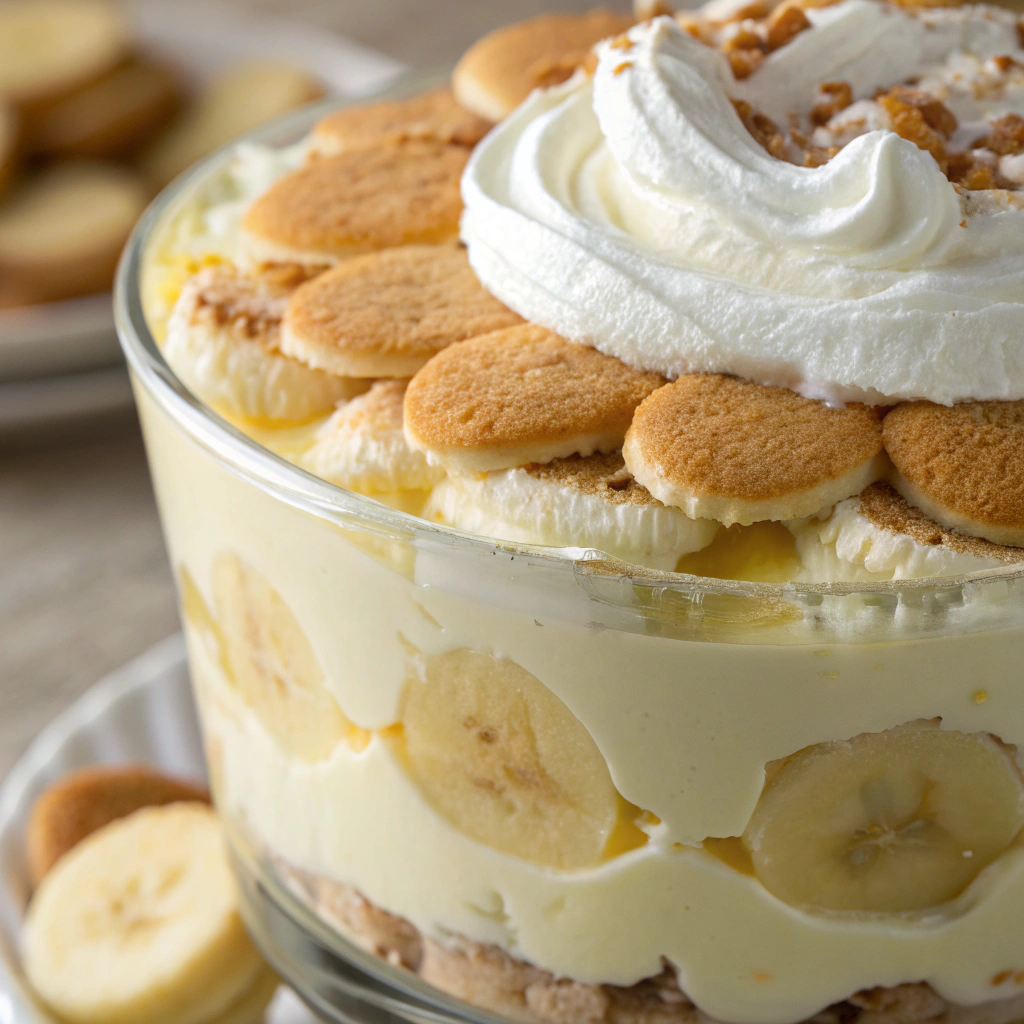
x: 353, y: 310
x: 90, y: 128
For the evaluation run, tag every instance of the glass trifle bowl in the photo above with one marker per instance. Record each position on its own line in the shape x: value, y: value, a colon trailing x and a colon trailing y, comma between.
x: 465, y: 779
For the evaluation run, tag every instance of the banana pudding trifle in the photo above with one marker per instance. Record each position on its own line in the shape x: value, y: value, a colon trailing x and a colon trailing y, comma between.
x: 596, y: 492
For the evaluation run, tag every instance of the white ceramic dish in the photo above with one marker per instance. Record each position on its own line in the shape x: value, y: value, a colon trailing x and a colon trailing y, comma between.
x: 144, y: 713
x: 201, y: 37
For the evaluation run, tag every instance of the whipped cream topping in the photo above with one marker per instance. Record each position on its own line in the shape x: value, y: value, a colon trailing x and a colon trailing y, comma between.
x: 634, y: 212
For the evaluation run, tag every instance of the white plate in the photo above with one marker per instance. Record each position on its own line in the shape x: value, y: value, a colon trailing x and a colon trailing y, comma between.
x: 201, y: 37
x: 144, y: 713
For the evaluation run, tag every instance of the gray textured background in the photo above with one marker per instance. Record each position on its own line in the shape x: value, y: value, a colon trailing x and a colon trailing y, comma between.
x: 84, y: 583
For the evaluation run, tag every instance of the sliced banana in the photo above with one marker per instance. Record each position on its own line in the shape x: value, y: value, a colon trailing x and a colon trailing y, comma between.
x: 272, y: 664
x: 505, y: 761
x: 880, y: 536
x: 222, y: 340
x: 573, y: 502
x: 49, y: 47
x: 111, y: 118
x: 240, y: 100
x: 252, y: 1007
x: 140, y: 923
x: 362, y: 446
x: 887, y: 822
x: 61, y: 232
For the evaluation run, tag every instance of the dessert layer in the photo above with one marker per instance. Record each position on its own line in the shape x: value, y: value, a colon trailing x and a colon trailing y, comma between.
x: 635, y: 212
x: 487, y: 976
x: 343, y: 766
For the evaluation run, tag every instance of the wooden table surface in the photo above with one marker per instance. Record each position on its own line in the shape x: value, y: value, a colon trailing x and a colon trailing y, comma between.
x: 84, y: 581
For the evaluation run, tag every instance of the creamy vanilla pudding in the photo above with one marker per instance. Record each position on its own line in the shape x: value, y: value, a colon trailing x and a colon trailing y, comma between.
x: 618, y: 617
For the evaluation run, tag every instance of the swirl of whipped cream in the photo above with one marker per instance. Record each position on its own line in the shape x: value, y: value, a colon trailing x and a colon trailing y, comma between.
x: 636, y: 213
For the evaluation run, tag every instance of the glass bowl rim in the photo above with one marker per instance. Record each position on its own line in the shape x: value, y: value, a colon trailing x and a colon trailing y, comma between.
x: 249, y: 459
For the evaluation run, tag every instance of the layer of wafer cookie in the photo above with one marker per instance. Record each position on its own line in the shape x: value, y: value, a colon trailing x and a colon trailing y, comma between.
x: 359, y: 201
x: 499, y: 71
x: 878, y: 535
x: 727, y: 449
x: 432, y: 117
x: 589, y: 502
x: 223, y: 342
x: 963, y: 465
x: 386, y: 314
x: 85, y: 801
x: 362, y: 446
x: 518, y: 396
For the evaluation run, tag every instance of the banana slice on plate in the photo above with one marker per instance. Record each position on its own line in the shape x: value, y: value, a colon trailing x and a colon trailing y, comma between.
x: 111, y: 118
x: 51, y: 47
x: 272, y: 663
x: 61, y: 232
x: 140, y: 924
x: 243, y: 98
x: 887, y: 822
x: 502, y: 758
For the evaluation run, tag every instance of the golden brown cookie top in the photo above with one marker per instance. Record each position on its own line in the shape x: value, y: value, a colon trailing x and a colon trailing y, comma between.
x: 518, y: 396
x: 386, y: 313
x: 359, y: 201
x: 962, y: 464
x: 600, y: 475
x: 499, y: 71
x: 432, y: 117
x: 727, y: 449
x: 885, y: 508
x: 87, y: 800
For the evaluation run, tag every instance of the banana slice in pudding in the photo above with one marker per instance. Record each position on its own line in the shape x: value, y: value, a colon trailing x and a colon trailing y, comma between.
x: 887, y: 822
x: 503, y: 759
x: 362, y: 446
x: 272, y: 664
x: 222, y: 341
x: 573, y: 502
x: 140, y: 922
x: 880, y: 536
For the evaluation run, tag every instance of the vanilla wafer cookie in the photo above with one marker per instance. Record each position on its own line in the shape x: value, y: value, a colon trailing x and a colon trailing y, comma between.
x: 878, y: 535
x: 518, y: 396
x: 359, y: 201
x: 433, y: 116
x: 590, y: 502
x: 48, y: 48
x: 85, y: 801
x: 223, y: 342
x: 499, y: 71
x: 726, y: 449
x: 387, y: 313
x: 62, y: 230
x: 963, y: 465
x: 362, y: 447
